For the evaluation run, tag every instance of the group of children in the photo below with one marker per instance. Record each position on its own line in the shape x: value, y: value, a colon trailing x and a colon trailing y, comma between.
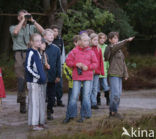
x: 86, y: 69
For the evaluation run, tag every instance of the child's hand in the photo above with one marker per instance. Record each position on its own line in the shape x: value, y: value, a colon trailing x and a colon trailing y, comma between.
x: 79, y: 65
x: 126, y: 78
x: 84, y: 67
x: 57, y: 80
x: 47, y: 66
x: 130, y: 39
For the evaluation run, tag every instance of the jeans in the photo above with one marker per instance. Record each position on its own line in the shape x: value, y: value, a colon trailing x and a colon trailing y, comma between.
x: 116, y: 90
x: 103, y: 83
x: 86, y: 105
x: 59, y: 92
x: 51, y: 88
x: 94, y: 90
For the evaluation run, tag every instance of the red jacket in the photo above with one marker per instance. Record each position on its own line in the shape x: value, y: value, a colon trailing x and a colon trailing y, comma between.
x: 100, y: 68
x: 85, y: 56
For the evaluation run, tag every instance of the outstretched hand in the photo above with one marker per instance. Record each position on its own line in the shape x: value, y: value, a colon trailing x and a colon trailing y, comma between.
x: 130, y: 39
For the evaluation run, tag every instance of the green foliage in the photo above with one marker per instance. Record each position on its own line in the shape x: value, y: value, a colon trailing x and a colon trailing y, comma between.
x: 87, y: 17
x: 141, y: 13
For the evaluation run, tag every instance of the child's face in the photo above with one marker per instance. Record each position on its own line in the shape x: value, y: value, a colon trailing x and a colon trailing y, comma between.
x: 94, y: 41
x: 36, y: 42
x: 76, y: 43
x: 114, y: 40
x: 85, y: 41
x: 43, y: 46
x: 102, y: 39
x: 55, y: 32
x: 49, y: 36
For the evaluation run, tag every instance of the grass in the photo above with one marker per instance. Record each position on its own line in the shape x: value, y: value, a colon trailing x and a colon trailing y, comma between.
x: 106, y: 129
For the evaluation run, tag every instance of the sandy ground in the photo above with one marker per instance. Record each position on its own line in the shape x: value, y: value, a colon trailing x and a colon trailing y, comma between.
x: 13, y: 125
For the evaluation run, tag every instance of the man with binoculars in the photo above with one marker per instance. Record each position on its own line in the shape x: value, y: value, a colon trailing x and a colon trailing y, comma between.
x: 20, y: 34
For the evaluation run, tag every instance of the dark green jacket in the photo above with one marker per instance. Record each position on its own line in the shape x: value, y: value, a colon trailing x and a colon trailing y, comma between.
x: 117, y: 65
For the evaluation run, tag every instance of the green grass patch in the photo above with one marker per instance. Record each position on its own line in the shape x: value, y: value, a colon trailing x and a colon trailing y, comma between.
x: 107, y: 128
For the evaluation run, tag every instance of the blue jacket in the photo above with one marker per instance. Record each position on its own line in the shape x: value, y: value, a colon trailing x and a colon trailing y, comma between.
x: 53, y: 53
x: 34, y: 67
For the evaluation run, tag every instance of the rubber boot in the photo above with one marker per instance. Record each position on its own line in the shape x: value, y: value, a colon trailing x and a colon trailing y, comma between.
x: 107, y: 97
x: 99, y: 98
x: 23, y: 107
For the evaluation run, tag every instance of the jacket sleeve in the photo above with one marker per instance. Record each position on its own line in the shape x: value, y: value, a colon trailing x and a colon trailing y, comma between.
x: 94, y: 62
x: 101, y: 63
x: 118, y: 46
x: 28, y: 65
x: 70, y: 61
x: 68, y: 72
x: 125, y: 71
x: 58, y: 64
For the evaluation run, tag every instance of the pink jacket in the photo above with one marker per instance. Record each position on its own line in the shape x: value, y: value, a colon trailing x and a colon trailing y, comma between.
x: 100, y: 68
x: 85, y: 56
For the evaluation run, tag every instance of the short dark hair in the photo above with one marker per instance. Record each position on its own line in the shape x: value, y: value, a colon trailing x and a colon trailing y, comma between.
x: 90, y: 31
x: 24, y: 11
x: 76, y: 38
x: 54, y: 26
x: 112, y: 34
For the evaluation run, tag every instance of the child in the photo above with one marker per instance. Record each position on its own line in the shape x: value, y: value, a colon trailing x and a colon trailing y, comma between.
x: 35, y: 77
x: 44, y: 59
x: 83, y: 61
x: 68, y: 71
x: 59, y: 42
x: 98, y: 71
x: 117, y: 70
x: 103, y: 79
x: 2, y: 89
x: 54, y: 73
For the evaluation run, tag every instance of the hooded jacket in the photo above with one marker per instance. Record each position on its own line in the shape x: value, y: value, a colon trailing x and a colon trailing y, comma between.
x: 85, y: 56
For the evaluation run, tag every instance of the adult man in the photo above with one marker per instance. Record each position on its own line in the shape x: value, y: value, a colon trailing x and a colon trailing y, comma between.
x: 20, y: 35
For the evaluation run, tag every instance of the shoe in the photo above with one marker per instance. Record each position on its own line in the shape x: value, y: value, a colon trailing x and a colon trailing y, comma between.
x: 49, y: 116
x: 43, y: 126
x: 81, y: 120
x: 23, y: 107
x: 60, y: 104
x: 95, y: 107
x: 37, y: 128
x: 116, y: 115
x: 66, y: 120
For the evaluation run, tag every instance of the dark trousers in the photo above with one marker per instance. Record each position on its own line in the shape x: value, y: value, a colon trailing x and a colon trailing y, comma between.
x: 59, y: 92
x: 51, y: 93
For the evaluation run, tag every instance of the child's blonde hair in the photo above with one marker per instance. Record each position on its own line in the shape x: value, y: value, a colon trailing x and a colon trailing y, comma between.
x: 92, y: 36
x: 47, y: 30
x: 102, y: 34
x: 32, y: 39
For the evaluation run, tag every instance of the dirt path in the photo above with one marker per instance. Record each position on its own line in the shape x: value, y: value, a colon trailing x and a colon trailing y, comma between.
x: 13, y: 125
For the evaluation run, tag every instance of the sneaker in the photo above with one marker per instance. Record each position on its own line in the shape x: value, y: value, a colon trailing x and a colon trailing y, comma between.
x: 66, y: 120
x: 116, y: 115
x: 60, y: 104
x: 81, y: 120
x: 43, y: 126
x: 95, y: 107
x: 37, y: 128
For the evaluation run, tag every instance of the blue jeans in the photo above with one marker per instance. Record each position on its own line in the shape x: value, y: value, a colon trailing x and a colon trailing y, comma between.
x: 86, y: 105
x: 94, y: 90
x: 116, y: 90
x: 103, y: 83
